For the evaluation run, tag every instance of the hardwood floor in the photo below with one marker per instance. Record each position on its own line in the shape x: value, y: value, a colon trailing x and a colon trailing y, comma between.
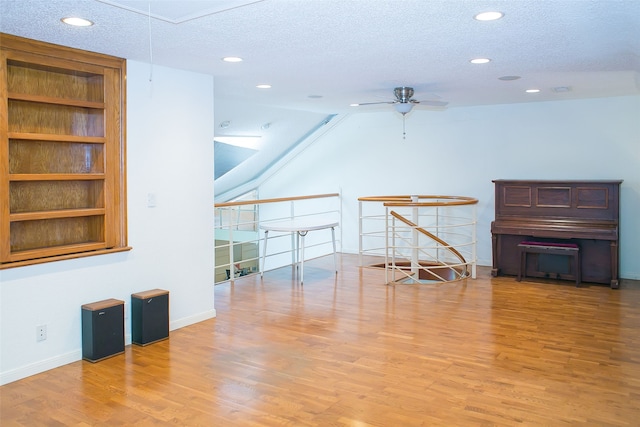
x: 348, y: 350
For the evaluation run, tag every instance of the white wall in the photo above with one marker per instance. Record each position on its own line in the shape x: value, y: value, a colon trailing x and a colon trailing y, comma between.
x: 169, y: 153
x: 461, y: 150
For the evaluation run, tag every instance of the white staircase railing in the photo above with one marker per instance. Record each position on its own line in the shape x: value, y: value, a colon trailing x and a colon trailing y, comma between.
x: 238, y: 240
x: 419, y: 239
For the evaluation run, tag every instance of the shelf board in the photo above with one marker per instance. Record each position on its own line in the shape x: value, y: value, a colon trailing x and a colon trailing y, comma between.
x: 61, y: 213
x: 56, y: 176
x: 57, y: 101
x: 55, y: 250
x: 56, y: 138
x: 32, y: 261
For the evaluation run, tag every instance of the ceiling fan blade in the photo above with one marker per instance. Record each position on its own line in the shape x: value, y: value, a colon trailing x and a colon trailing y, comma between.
x: 433, y: 103
x: 374, y: 103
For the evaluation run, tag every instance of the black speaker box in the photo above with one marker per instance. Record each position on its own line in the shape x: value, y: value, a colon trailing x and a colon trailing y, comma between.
x: 149, y: 316
x: 102, y: 329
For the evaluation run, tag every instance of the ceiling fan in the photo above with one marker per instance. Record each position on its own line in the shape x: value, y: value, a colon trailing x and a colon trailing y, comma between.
x: 404, y: 103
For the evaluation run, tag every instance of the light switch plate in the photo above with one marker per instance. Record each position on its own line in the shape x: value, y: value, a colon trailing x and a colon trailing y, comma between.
x: 151, y: 200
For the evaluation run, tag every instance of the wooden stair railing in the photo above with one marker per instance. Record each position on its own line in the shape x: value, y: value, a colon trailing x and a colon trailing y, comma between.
x: 432, y: 236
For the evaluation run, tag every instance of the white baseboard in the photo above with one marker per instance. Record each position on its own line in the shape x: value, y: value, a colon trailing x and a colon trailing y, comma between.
x: 41, y: 366
x: 631, y: 275
x: 186, y: 321
x: 74, y: 356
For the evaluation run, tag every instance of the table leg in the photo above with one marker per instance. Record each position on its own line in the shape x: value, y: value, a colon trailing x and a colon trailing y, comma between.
x: 296, y: 258
x: 264, y: 252
x: 335, y: 259
x: 302, y: 257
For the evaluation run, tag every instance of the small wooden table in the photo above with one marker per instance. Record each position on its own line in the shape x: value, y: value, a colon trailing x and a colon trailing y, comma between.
x: 301, y: 228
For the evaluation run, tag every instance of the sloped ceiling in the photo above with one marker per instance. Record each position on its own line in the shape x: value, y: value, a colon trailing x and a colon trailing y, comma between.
x: 319, y: 56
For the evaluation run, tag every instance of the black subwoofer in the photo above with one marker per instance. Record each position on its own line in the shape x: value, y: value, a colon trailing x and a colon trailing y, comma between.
x: 149, y: 316
x: 102, y: 329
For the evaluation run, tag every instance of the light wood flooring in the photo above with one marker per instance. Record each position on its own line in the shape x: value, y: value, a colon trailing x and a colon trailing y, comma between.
x: 348, y: 350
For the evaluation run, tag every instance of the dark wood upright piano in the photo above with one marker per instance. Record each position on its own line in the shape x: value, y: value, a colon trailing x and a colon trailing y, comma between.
x: 582, y: 213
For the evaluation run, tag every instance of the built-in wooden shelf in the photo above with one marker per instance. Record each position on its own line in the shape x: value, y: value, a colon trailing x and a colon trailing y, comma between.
x: 62, y: 147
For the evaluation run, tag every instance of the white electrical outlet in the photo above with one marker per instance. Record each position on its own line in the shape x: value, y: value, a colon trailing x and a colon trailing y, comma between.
x: 41, y: 333
x: 151, y: 200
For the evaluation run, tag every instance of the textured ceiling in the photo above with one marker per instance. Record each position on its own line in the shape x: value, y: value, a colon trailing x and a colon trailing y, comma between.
x: 177, y: 12
x: 322, y: 55
x: 359, y: 50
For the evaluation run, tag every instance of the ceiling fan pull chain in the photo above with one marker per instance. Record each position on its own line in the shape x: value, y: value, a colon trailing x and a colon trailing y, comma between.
x: 150, y: 46
x: 404, y: 133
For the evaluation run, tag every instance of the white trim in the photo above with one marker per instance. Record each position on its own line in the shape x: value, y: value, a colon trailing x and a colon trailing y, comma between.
x: 40, y: 366
x: 74, y: 356
x: 186, y: 321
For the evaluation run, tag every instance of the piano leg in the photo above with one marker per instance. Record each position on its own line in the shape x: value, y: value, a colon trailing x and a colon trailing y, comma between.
x: 523, y: 263
x: 614, y: 265
x: 496, y: 257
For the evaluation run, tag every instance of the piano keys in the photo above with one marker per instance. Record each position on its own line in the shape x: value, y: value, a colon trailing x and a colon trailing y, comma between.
x: 585, y: 213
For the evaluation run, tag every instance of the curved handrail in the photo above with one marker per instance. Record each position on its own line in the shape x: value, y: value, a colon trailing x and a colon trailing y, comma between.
x: 280, y: 199
x: 408, y: 200
x: 434, y: 202
x: 431, y: 235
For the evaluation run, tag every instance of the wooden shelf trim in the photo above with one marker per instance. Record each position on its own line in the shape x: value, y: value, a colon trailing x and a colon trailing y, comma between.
x: 57, y: 101
x: 55, y: 250
x: 56, y: 138
x: 56, y: 54
x: 23, y: 263
x: 40, y: 256
x: 56, y: 176
x: 62, y: 213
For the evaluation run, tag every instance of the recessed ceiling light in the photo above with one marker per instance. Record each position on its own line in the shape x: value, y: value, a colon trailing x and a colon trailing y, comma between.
x: 488, y: 16
x: 354, y: 105
x: 561, y: 89
x: 508, y: 78
x: 232, y: 59
x: 77, y: 22
x: 532, y: 90
x: 480, y: 60
x: 263, y: 86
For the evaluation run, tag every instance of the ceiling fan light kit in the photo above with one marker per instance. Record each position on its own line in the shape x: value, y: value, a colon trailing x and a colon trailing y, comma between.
x: 403, y: 107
